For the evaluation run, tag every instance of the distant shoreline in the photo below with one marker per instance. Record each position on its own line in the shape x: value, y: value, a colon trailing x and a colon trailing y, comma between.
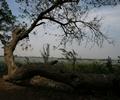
x: 59, y: 58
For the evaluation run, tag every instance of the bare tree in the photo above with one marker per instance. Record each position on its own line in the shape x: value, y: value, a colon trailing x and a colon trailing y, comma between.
x: 71, y: 56
x: 118, y: 59
x: 68, y: 15
x: 46, y: 53
x: 109, y: 64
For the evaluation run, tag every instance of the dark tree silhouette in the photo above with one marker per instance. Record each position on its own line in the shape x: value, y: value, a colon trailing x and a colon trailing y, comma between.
x: 71, y: 56
x: 46, y: 53
x: 6, y: 17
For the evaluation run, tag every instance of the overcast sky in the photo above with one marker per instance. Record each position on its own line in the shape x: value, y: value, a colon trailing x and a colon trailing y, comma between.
x: 111, y: 27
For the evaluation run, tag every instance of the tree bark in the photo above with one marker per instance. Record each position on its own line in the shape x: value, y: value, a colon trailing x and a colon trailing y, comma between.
x: 75, y: 80
x: 9, y: 60
x: 9, y: 48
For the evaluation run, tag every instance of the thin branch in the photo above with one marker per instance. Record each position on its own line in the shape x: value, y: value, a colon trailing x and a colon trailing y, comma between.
x: 61, y: 23
x: 54, y: 20
x: 40, y: 23
x: 33, y: 25
x: 40, y: 17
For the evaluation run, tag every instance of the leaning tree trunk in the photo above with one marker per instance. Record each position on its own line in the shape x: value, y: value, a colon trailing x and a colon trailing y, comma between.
x: 8, y: 52
x: 76, y: 80
x: 9, y: 60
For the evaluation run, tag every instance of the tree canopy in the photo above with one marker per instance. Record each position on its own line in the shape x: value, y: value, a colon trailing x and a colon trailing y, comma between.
x: 6, y: 17
x: 69, y: 15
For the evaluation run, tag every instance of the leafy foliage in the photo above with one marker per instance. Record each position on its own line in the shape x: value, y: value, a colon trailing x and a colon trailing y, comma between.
x: 6, y: 17
x: 98, y: 3
x: 118, y: 59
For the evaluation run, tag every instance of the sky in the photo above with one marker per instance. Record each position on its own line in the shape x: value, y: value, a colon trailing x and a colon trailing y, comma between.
x: 110, y: 26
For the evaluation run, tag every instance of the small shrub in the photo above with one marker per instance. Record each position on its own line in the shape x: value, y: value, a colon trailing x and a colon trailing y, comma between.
x: 95, y: 67
x: 71, y: 56
x: 3, y: 68
x: 46, y: 53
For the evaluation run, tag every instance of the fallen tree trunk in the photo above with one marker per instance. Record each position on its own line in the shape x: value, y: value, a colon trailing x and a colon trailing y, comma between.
x: 75, y: 80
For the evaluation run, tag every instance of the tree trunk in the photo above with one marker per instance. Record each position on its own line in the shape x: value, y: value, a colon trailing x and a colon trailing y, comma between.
x: 9, y: 60
x: 9, y: 48
x: 77, y: 81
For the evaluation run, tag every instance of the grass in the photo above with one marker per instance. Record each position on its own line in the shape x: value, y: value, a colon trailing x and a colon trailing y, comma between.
x: 91, y: 67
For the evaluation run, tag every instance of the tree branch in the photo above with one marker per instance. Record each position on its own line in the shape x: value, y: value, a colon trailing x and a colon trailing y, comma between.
x: 54, y: 20
x: 40, y: 23
x: 40, y: 17
x: 34, y: 24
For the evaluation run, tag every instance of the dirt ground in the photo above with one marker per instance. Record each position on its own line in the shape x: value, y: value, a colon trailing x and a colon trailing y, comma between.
x: 9, y: 91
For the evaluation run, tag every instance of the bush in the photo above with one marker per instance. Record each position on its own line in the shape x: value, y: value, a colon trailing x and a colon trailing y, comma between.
x: 94, y: 67
x: 2, y: 68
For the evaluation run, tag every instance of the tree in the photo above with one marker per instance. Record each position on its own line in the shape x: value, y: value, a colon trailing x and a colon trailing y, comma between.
x: 68, y: 15
x: 118, y: 59
x: 6, y: 17
x: 46, y: 53
x: 71, y: 56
